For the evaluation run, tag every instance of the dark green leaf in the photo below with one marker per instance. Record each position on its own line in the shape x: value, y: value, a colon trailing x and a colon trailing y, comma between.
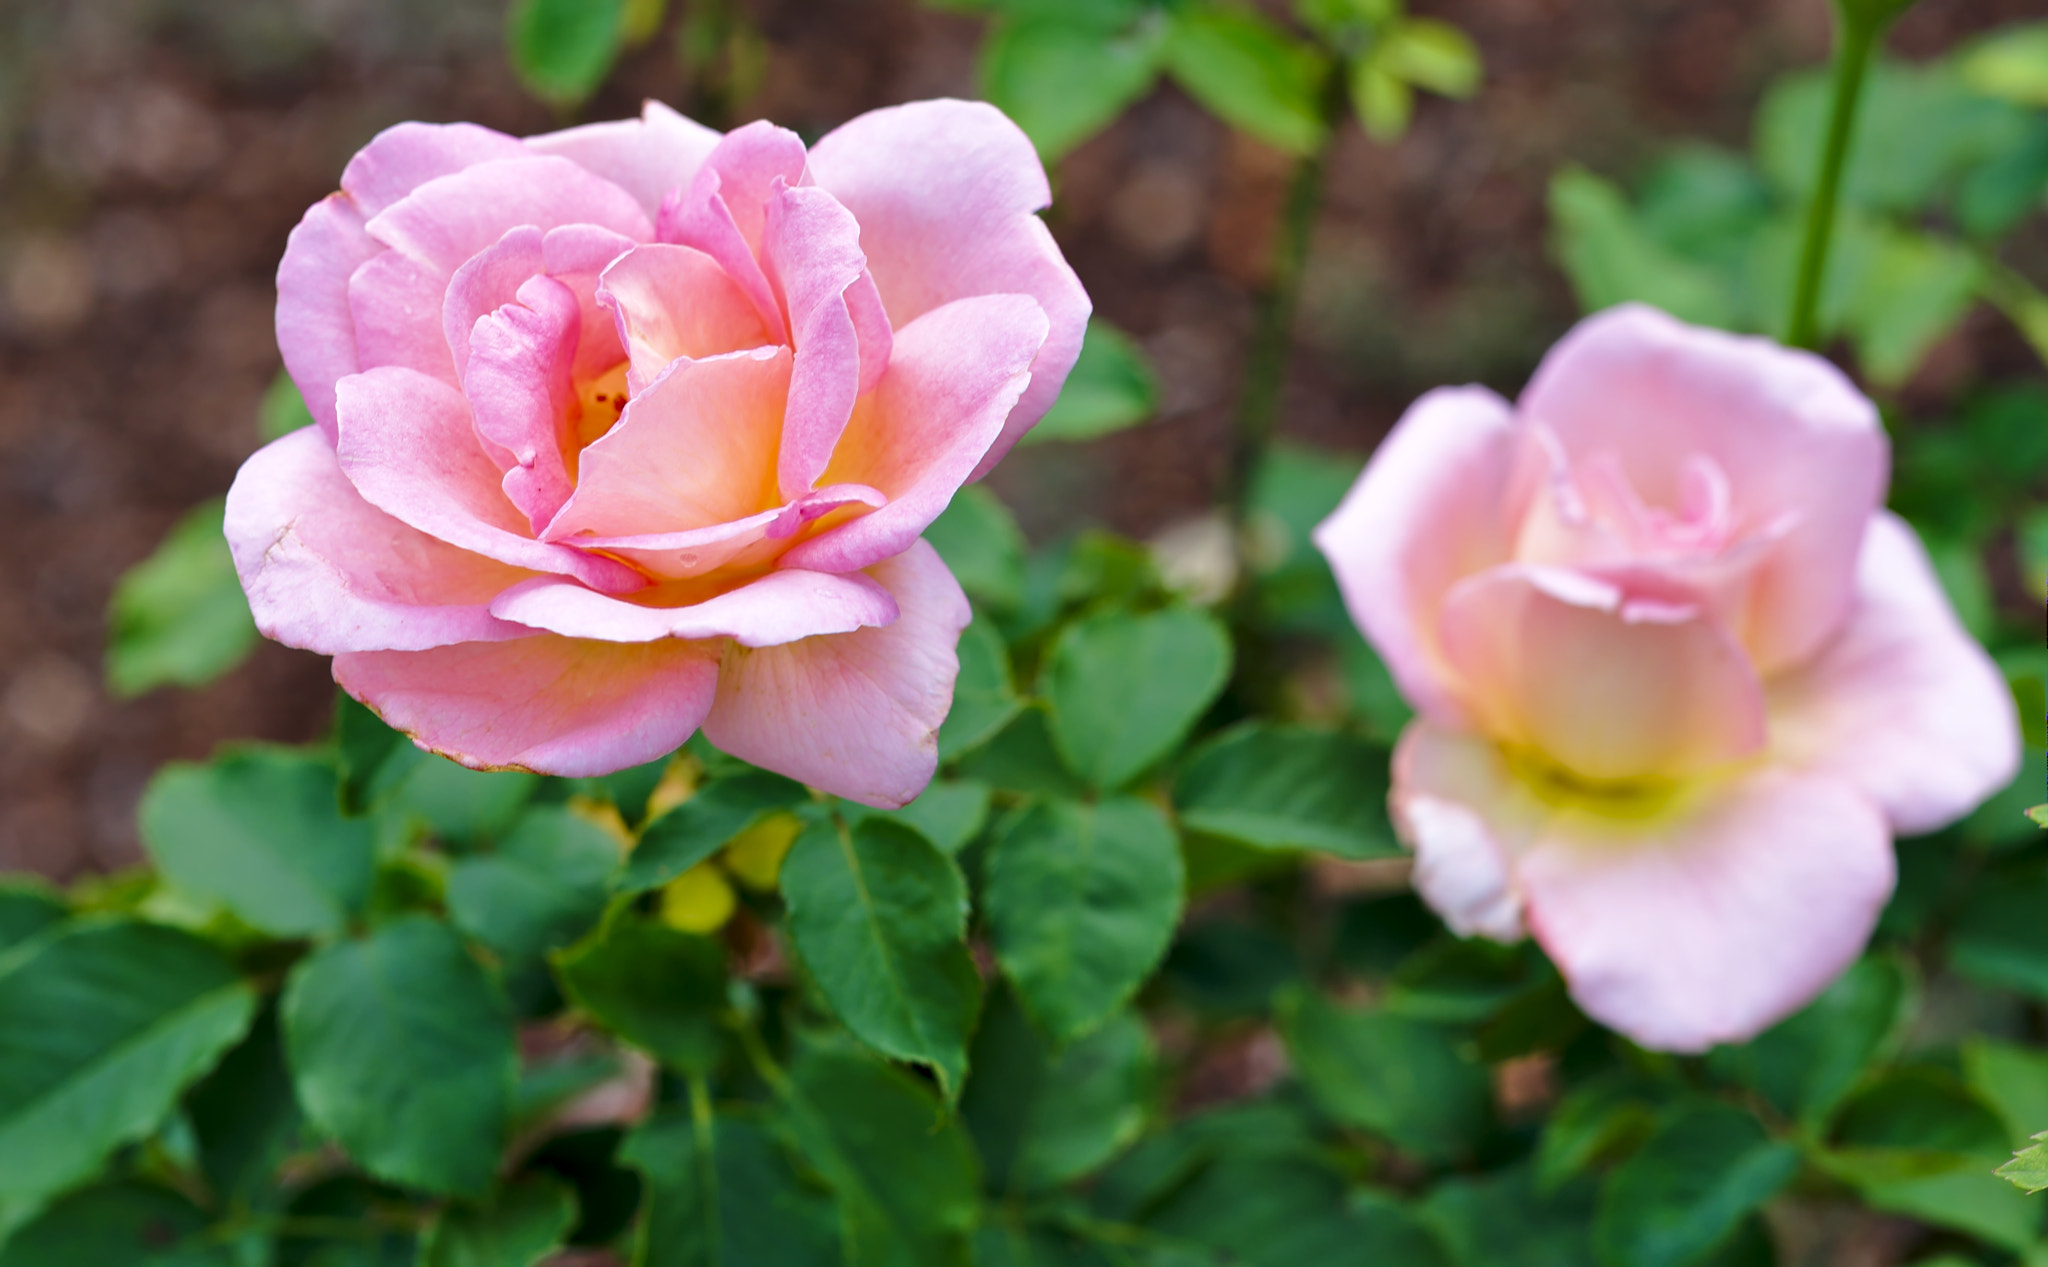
x: 102, y: 1024
x: 1608, y: 1114
x: 1689, y: 1188
x: 1271, y: 1129
x: 260, y: 831
x: 1081, y: 902
x: 984, y: 699
x: 656, y: 987
x: 26, y: 908
x: 1112, y: 386
x: 696, y: 829
x: 982, y: 546
x: 1020, y: 758
x: 363, y: 747
x: 121, y: 1225
x: 401, y: 1049
x: 1920, y: 1111
x: 949, y: 813
x: 1284, y: 1212
x: 1281, y: 787
x: 370, y: 1218
x: 179, y: 617
x: 1124, y: 689
x: 1805, y: 1065
x: 244, y: 1115
x: 521, y: 1224
x: 563, y: 49
x: 1999, y: 938
x: 1249, y: 73
x: 879, y: 916
x: 453, y: 802
x: 544, y: 885
x: 1395, y: 1076
x: 723, y: 1195
x: 1505, y: 1216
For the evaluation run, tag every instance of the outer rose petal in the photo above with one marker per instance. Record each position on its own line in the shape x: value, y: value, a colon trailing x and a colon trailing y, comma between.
x: 328, y: 572
x: 1717, y: 921
x: 1467, y: 817
x: 316, y: 331
x: 1791, y: 433
x: 405, y: 156
x: 946, y: 194
x: 646, y: 157
x: 777, y: 608
x: 954, y: 376
x: 1903, y: 704
x: 856, y: 714
x: 669, y: 301
x: 1433, y: 506
x: 559, y: 706
x: 450, y: 218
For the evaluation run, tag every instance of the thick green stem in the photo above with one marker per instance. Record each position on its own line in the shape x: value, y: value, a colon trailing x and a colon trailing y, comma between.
x: 1856, y: 40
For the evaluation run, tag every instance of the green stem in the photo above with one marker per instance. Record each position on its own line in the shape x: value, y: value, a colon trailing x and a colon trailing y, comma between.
x: 1857, y: 39
x: 707, y: 1158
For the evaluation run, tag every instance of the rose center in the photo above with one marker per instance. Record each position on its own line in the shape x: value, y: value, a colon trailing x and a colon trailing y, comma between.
x: 600, y: 401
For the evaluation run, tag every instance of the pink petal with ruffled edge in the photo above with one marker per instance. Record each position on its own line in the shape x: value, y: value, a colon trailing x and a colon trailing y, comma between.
x: 521, y: 394
x: 486, y: 282
x: 855, y: 714
x: 755, y: 541
x: 1437, y: 503
x: 1467, y: 818
x: 408, y: 446
x: 675, y: 301
x: 1793, y: 436
x: 811, y: 252
x: 723, y: 211
x: 646, y: 157
x: 450, y: 218
x: 1903, y: 704
x: 779, y: 607
x: 405, y: 156
x: 316, y: 331
x: 946, y: 194
x: 954, y: 376
x: 560, y: 706
x: 328, y: 572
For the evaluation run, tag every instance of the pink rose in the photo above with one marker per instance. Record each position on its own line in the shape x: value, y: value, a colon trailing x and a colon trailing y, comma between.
x: 1678, y: 677
x: 633, y: 428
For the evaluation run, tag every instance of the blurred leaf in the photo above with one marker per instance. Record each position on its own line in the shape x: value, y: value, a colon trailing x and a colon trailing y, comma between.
x: 458, y: 805
x: 1020, y: 759
x: 521, y: 1224
x: 1999, y: 938
x: 1286, y: 1212
x: 1382, y: 100
x: 2010, y: 1078
x: 25, y: 910
x: 1249, y: 73
x: 640, y: 21
x: 1503, y: 1216
x: 2039, y: 814
x: 363, y: 747
x: 659, y: 989
x: 119, y: 1225
x: 102, y: 1024
x: 1960, y: 567
x: 1971, y: 1200
x: 1460, y: 980
x: 1292, y: 490
x: 1229, y: 968
x: 695, y: 830
x: 904, y: 1173
x: 351, y: 1204
x: 1611, y: 259
x: 1124, y: 689
x: 2011, y: 63
x: 1806, y: 1064
x: 543, y: 885
x: 879, y: 916
x: 1689, y: 1187
x: 1063, y: 83
x: 401, y: 1049
x: 721, y: 1193
x: 1403, y: 1079
x: 984, y: 698
x: 1704, y: 204
x: 563, y: 49
x: 179, y: 617
x: 1912, y: 291
x: 283, y: 410
x: 1912, y: 1123
x: 949, y: 813
x: 1430, y: 54
x: 1112, y: 388
x: 243, y: 1114
x: 2000, y: 192
x: 980, y: 541
x: 1081, y: 902
x: 1281, y: 787
x: 1609, y: 1114
x: 260, y: 831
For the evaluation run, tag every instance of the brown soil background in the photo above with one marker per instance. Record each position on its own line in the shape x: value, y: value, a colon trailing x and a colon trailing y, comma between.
x: 155, y: 153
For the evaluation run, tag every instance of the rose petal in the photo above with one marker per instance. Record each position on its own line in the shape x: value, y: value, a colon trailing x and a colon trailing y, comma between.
x: 723, y: 211
x: 328, y: 572
x: 576, y: 256
x: 1793, y: 436
x: 855, y: 714
x: 405, y: 156
x: 646, y: 157
x: 1903, y: 704
x: 450, y: 218
x: 946, y: 194
x: 486, y: 282
x: 558, y: 706
x: 408, y: 446
x: 811, y: 252
x: 954, y: 376
x: 1436, y: 504
x: 754, y: 541
x: 1457, y: 805
x: 316, y: 330
x: 777, y: 608
x: 675, y: 301
x: 521, y: 394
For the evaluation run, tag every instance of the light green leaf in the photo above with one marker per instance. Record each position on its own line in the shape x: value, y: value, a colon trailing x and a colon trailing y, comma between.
x: 2011, y: 63
x: 283, y: 409
x: 1912, y: 290
x: 1396, y: 1076
x: 120, y: 1225
x: 1971, y: 1200
x: 1382, y: 100
x: 545, y: 883
x: 1611, y: 260
x: 453, y: 802
x: 721, y: 1193
x: 1063, y: 83
x: 2012, y: 1079
x: 1430, y: 54
x: 1249, y: 73
x: 949, y: 812
x: 1112, y: 387
x: 700, y: 826
x: 563, y: 49
x: 179, y: 617
x: 102, y: 1024
x: 657, y: 987
x: 260, y: 831
x: 984, y: 698
x: 879, y: 916
x: 1282, y: 787
x: 2039, y: 814
x: 1689, y: 1188
x: 982, y: 545
x: 1081, y: 903
x: 401, y: 1049
x: 521, y: 1224
x: 1125, y: 689
x: 2027, y: 1171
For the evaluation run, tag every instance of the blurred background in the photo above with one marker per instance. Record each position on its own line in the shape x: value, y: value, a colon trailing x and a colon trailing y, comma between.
x: 155, y: 153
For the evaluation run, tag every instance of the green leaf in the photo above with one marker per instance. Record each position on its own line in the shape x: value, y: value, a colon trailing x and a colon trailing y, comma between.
x: 102, y: 1024
x: 120, y: 1225
x: 521, y: 1224
x: 2027, y: 1171
x: 243, y: 1114
x: 2039, y: 814
x: 700, y: 826
x: 1019, y: 758
x: 1398, y: 1077
x: 1807, y: 1064
x: 1611, y: 1113
x: 904, y: 1173
x: 1611, y: 259
x: 1912, y: 290
x: 1063, y: 83
x: 179, y: 617
x: 563, y: 49
x: 658, y: 988
x: 1430, y: 54
x: 1081, y: 903
x: 1971, y: 1200
x: 1689, y: 1188
x: 544, y: 885
x: 1382, y: 100
x: 1125, y: 689
x: 879, y: 916
x: 401, y: 1049
x: 984, y: 699
x: 1505, y: 1216
x: 1286, y: 1212
x: 723, y: 1194
x: 1917, y: 1121
x: 982, y: 545
x: 1111, y: 388
x: 2011, y: 63
x: 362, y: 1213
x: 283, y: 409
x: 949, y: 812
x: 1249, y: 73
x: 1999, y: 938
x: 1282, y: 787
x: 456, y: 804
x: 260, y: 831
x: 26, y: 908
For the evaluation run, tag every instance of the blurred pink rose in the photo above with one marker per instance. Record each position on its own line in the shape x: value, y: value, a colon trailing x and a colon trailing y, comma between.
x: 1678, y: 677
x: 634, y: 428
